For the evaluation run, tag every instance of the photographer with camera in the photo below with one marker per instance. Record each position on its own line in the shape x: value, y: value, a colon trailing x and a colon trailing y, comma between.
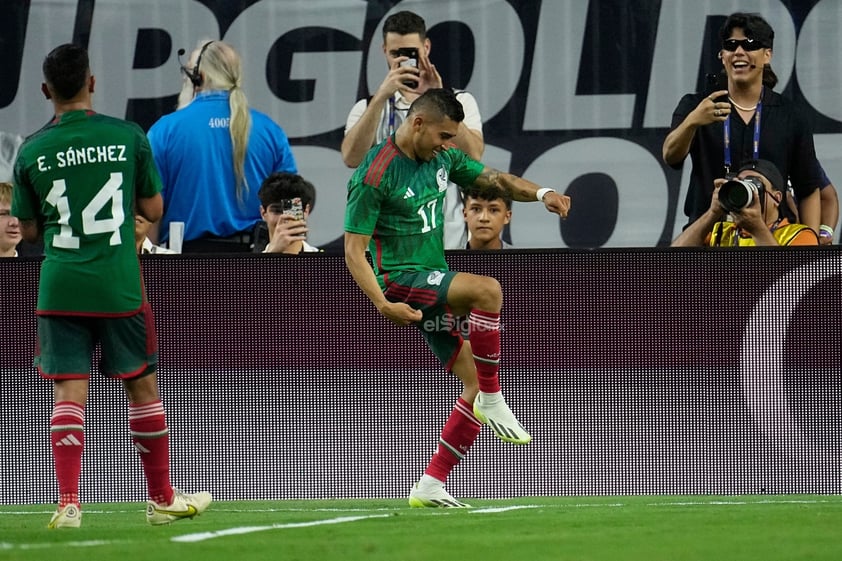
x: 753, y: 198
x: 371, y: 120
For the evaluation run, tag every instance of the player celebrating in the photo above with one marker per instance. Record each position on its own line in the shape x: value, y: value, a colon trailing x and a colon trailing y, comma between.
x: 78, y: 181
x: 395, y: 207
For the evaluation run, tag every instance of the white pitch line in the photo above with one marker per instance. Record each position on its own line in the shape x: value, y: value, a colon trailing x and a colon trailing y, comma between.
x: 89, y: 543
x: 202, y: 536
x: 744, y: 503
x: 491, y: 510
x: 303, y: 509
x: 51, y: 511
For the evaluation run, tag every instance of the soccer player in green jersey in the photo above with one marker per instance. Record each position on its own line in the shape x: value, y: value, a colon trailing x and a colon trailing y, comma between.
x: 395, y: 209
x: 78, y: 182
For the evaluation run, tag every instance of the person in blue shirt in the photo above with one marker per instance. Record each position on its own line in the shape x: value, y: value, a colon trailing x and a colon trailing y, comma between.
x: 213, y: 153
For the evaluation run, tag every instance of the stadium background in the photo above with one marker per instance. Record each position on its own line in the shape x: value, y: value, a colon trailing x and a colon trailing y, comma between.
x: 576, y: 95
x: 650, y: 371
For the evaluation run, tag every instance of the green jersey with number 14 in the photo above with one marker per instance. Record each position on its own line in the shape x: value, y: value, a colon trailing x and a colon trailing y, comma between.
x: 78, y: 177
x: 398, y: 202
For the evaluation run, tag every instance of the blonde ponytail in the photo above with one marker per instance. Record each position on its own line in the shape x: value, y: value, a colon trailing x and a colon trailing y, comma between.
x: 222, y: 70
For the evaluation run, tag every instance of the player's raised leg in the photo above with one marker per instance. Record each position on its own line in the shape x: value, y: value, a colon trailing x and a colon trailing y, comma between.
x: 483, y: 298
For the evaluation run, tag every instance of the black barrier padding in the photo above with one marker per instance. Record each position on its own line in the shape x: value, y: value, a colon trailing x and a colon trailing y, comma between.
x: 639, y: 372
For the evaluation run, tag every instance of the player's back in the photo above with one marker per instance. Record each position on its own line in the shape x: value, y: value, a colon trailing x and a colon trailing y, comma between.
x: 81, y: 173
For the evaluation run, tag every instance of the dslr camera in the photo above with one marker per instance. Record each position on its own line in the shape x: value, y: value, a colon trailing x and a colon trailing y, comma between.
x: 737, y: 194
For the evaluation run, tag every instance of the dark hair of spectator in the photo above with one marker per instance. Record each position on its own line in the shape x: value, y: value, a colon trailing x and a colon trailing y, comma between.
x: 487, y: 194
x: 405, y: 23
x: 757, y: 28
x: 284, y: 186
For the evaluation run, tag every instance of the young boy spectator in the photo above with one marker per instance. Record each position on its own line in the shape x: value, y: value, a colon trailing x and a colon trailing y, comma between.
x: 287, y: 233
x: 486, y: 212
x: 10, y: 235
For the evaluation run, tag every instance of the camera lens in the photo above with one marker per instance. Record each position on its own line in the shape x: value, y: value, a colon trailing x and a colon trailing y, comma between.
x: 736, y: 195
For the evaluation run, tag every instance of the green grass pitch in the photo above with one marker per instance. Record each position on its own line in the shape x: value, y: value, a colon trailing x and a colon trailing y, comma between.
x: 762, y: 528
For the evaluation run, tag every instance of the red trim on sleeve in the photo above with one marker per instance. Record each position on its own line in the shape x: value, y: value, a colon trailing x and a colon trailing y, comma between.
x: 381, y: 161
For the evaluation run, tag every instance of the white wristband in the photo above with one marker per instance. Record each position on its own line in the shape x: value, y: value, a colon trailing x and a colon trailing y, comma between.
x: 543, y: 191
x: 825, y: 231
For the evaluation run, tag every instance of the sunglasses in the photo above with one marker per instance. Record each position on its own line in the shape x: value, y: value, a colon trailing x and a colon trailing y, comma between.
x: 747, y: 44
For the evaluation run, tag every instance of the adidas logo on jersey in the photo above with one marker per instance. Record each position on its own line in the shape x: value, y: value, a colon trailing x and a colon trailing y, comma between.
x: 409, y: 193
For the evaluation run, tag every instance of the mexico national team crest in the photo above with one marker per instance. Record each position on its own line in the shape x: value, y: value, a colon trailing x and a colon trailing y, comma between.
x: 441, y: 179
x: 435, y: 278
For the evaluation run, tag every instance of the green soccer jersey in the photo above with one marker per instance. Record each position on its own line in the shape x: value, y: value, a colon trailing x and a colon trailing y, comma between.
x: 78, y: 177
x: 399, y: 202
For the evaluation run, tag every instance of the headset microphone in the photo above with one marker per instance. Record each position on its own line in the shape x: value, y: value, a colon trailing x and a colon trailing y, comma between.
x: 194, y: 76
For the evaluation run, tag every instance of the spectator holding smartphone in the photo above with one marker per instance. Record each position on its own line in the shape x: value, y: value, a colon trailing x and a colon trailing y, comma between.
x: 374, y: 119
x: 723, y: 129
x: 286, y: 200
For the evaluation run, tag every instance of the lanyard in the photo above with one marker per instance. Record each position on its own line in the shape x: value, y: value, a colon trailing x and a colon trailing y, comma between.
x: 391, y: 115
x: 726, y: 136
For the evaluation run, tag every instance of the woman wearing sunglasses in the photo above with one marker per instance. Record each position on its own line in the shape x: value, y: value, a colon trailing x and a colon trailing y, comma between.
x: 742, y: 119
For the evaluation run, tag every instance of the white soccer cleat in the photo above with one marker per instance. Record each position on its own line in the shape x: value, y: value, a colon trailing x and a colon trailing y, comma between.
x: 433, y: 496
x: 184, y: 505
x: 68, y: 517
x: 500, y: 418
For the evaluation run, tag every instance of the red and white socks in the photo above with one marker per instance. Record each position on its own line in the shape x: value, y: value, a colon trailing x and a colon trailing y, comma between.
x: 67, y: 439
x: 150, y: 435
x: 484, y: 332
x: 459, y: 433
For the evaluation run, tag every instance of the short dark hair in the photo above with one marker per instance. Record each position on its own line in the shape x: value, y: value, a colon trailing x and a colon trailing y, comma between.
x: 282, y: 186
x: 405, y: 23
x: 441, y: 101
x: 66, y: 69
x: 757, y: 28
x: 487, y: 194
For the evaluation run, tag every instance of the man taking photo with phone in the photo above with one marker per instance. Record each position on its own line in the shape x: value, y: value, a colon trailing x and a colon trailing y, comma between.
x: 373, y: 119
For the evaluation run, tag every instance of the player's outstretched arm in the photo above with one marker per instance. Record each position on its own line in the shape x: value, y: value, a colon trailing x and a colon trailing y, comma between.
x: 524, y: 190
x: 396, y: 312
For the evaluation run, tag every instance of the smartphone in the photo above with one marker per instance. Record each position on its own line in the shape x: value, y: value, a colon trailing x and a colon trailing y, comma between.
x: 294, y: 208
x: 715, y: 82
x: 412, y: 53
